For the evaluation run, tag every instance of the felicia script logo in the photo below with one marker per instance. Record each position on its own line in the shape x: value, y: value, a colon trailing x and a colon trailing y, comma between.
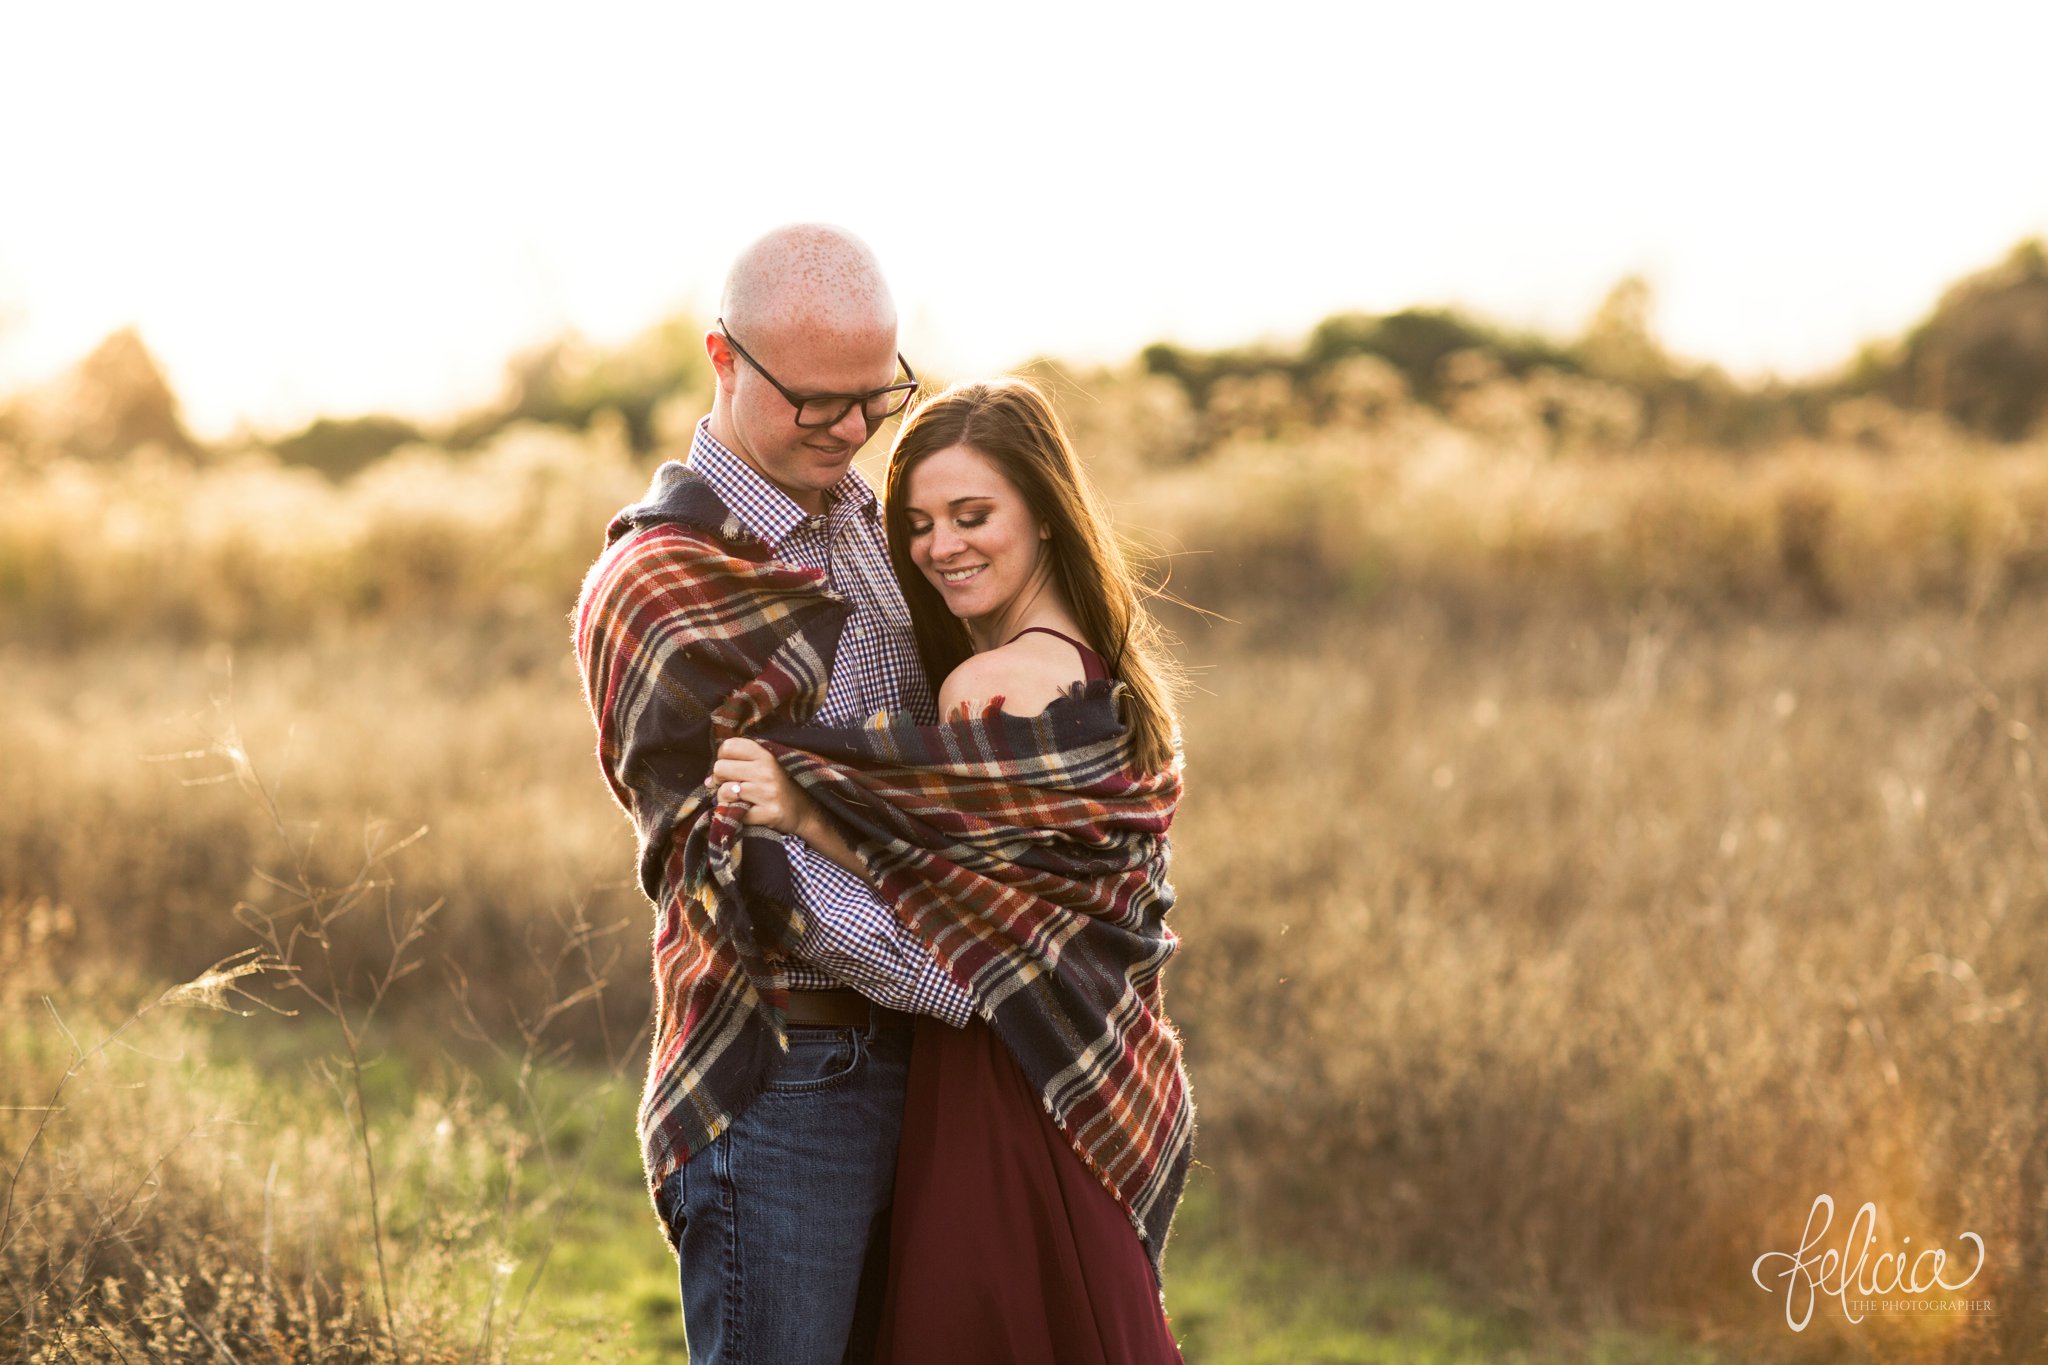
x: 1893, y: 1281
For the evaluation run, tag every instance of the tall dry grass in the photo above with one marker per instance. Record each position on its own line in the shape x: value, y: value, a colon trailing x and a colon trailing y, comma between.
x: 1589, y: 857
x: 373, y: 1167
x: 118, y: 806
x: 340, y: 1186
x: 1601, y: 949
x: 1496, y: 508
x: 1573, y: 958
x: 253, y: 550
x: 1434, y: 513
x: 167, y: 1203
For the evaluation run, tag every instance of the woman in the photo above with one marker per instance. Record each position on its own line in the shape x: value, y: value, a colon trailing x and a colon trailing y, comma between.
x: 1005, y: 1245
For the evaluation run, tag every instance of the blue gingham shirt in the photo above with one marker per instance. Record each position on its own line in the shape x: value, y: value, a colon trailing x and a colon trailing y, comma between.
x: 850, y: 938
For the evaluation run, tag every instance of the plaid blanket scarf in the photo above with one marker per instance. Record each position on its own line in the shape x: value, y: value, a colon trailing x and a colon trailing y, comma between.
x: 1026, y: 853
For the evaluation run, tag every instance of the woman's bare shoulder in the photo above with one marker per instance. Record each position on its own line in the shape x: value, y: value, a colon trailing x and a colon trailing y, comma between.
x: 1026, y: 673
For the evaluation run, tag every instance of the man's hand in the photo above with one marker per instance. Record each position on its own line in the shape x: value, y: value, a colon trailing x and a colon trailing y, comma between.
x: 748, y: 775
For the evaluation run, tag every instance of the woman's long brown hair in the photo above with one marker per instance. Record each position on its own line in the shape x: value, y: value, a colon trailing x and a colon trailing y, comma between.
x: 1010, y: 423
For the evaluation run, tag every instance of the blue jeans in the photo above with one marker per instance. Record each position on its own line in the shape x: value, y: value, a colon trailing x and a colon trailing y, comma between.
x: 782, y: 1223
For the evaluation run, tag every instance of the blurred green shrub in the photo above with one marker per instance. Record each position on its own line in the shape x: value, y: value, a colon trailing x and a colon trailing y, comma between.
x: 569, y: 381
x: 340, y: 447
x: 1982, y: 356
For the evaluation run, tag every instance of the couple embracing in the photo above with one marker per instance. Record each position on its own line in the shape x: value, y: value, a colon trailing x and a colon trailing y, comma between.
x: 901, y: 771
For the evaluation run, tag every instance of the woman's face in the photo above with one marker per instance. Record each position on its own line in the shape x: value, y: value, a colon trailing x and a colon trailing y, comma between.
x: 971, y: 532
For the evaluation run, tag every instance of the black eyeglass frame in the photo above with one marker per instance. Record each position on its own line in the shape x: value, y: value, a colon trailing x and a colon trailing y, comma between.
x: 848, y: 401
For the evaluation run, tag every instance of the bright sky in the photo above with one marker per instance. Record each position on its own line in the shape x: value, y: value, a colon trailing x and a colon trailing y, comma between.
x: 368, y: 206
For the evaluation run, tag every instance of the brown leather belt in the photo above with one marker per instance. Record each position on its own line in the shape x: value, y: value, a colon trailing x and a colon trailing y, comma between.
x: 839, y: 1009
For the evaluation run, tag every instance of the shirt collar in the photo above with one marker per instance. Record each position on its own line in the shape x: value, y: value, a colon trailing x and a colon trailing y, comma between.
x: 765, y: 510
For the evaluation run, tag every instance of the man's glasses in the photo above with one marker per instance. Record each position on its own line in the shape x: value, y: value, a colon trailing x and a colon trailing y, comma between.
x: 830, y: 409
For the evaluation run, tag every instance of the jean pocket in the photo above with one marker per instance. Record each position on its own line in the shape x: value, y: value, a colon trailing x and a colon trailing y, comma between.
x: 668, y: 1204
x: 818, y: 1059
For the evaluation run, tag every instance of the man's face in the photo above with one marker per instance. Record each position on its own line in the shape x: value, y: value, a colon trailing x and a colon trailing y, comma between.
x: 802, y: 461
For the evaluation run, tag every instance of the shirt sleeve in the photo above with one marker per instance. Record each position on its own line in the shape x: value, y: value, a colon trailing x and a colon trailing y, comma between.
x: 852, y: 935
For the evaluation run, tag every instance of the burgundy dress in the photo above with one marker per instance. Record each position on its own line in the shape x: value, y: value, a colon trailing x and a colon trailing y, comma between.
x: 1003, y: 1246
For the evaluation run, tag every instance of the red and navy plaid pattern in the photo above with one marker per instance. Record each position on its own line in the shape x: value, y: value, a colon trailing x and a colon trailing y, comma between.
x: 850, y: 938
x: 1027, y: 855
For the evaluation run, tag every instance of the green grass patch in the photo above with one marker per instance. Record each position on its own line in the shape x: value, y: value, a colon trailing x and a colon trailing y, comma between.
x: 1233, y: 1304
x: 515, y: 1215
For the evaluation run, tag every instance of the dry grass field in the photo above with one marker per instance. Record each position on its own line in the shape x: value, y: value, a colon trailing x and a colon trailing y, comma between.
x: 1589, y: 858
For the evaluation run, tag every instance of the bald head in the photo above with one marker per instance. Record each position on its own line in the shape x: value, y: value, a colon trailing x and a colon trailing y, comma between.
x: 808, y: 277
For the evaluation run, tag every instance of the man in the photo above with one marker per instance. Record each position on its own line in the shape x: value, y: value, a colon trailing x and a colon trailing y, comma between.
x: 777, y: 1203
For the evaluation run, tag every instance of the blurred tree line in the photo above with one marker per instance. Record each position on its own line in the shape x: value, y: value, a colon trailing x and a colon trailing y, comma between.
x: 111, y: 403
x: 117, y: 401
x: 565, y: 383
x: 1979, y: 360
x: 1981, y: 357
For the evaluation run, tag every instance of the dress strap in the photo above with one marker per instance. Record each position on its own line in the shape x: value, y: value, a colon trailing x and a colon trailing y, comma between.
x: 1092, y: 663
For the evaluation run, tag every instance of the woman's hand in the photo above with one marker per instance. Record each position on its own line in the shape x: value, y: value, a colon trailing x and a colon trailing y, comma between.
x: 747, y: 774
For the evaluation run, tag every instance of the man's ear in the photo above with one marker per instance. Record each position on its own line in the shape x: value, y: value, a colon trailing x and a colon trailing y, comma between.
x: 722, y: 358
